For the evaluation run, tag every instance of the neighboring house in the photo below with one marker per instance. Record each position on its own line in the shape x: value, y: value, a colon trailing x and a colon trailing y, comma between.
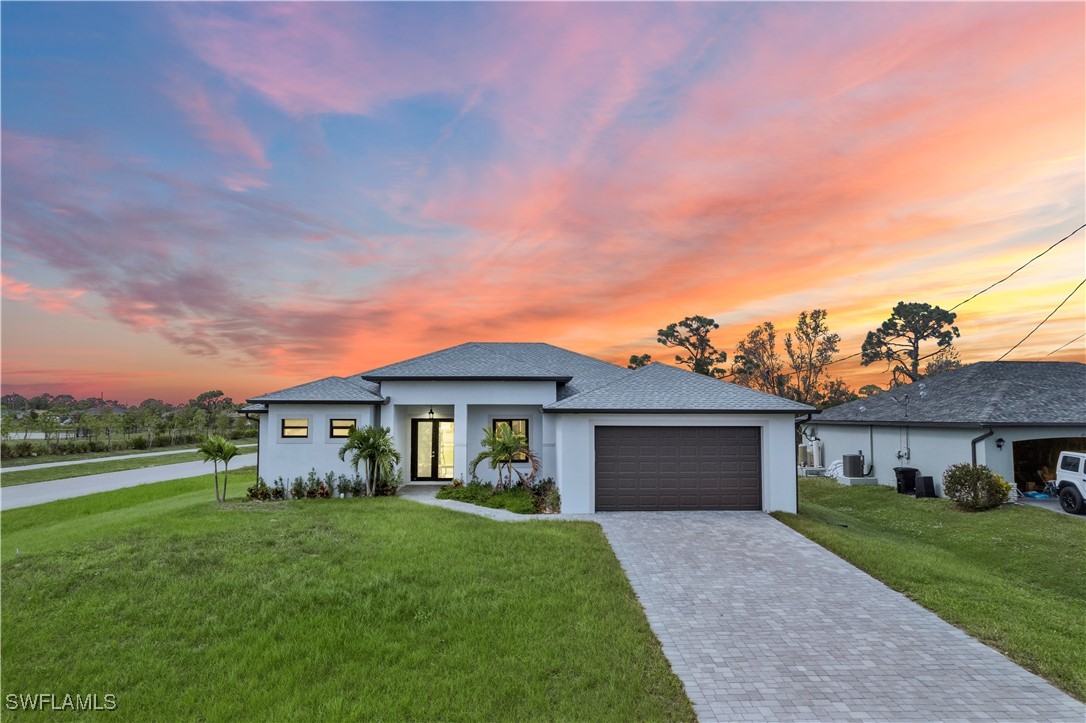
x: 1014, y: 417
x: 613, y: 439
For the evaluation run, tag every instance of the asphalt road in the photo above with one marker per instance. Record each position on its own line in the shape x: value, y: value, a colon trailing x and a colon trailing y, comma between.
x: 38, y: 492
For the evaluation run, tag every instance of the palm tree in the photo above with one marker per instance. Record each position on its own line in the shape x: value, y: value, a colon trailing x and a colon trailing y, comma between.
x: 211, y: 449
x: 501, y: 447
x: 375, y: 447
x: 227, y: 451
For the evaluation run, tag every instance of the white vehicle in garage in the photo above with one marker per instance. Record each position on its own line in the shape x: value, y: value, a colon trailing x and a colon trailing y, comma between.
x: 1071, y: 482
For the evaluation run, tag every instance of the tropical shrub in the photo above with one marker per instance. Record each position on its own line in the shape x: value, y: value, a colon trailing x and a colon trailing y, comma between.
x: 502, y: 447
x: 140, y: 443
x: 375, y: 449
x: 974, y: 488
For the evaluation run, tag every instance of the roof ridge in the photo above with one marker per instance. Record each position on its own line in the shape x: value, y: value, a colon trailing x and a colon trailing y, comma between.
x: 997, y: 397
x: 598, y: 387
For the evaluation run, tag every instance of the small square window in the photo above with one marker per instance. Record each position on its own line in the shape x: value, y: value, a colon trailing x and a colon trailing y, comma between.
x: 1069, y: 464
x: 520, y: 426
x: 295, y: 428
x: 341, y: 427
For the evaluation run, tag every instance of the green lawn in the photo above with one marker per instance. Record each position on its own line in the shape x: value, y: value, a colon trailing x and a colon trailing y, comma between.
x: 1014, y: 578
x: 47, y: 458
x: 333, y: 609
x: 26, y: 476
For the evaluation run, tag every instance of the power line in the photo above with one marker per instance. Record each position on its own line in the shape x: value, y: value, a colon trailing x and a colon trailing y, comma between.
x: 986, y: 288
x: 991, y: 286
x: 1065, y: 345
x: 1044, y: 319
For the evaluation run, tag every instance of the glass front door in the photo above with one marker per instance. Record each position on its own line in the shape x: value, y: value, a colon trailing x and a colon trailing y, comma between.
x: 431, y: 449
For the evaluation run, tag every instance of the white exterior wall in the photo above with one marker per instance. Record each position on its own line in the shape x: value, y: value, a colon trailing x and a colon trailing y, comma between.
x: 290, y: 457
x: 576, y: 453
x: 471, y: 406
x: 929, y: 449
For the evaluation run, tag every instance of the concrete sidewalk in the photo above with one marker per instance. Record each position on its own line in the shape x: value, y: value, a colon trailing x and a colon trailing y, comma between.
x: 47, y: 465
x: 38, y: 492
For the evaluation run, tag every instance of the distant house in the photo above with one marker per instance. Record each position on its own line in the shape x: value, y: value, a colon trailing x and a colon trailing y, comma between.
x: 1014, y: 417
x: 655, y: 438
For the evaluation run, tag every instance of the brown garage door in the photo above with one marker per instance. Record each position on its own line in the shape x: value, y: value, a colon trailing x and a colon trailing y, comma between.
x: 678, y: 468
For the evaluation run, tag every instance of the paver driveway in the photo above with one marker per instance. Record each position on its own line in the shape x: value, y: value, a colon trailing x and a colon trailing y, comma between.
x: 760, y: 623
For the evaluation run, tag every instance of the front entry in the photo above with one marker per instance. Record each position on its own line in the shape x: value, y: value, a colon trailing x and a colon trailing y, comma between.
x: 431, y: 449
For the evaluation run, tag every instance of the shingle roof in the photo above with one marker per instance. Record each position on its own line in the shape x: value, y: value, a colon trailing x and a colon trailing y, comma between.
x: 662, y: 388
x: 329, y: 389
x: 981, y: 394
x: 504, y: 360
x: 254, y: 408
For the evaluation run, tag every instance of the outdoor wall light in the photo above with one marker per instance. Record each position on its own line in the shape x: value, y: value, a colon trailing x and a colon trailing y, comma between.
x: 430, y: 414
x: 999, y: 443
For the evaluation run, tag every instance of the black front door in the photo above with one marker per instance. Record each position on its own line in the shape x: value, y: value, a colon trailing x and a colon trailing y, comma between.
x: 431, y: 449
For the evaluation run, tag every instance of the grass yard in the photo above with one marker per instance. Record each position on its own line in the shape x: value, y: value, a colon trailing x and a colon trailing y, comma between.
x: 26, y: 476
x: 334, y: 609
x: 1014, y: 578
x: 47, y: 458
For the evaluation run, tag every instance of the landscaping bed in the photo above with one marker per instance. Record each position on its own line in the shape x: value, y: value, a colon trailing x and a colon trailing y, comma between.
x: 364, y: 608
x: 1011, y: 577
x: 541, y: 497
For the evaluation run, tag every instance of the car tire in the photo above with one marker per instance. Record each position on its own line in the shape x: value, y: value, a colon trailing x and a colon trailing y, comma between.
x: 1071, y: 501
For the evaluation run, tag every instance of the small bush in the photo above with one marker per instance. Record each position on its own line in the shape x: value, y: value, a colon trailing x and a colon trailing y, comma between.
x: 259, y: 491
x: 546, y: 497
x: 974, y: 488
x: 358, y: 487
x: 279, y: 489
x: 162, y: 440
x: 387, y: 488
x: 139, y: 443
x: 297, y: 488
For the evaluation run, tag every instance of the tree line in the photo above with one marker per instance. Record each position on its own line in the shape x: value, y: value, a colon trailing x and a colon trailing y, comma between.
x: 913, y: 333
x: 97, y: 424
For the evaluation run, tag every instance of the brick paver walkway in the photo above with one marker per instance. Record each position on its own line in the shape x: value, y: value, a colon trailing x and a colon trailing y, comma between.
x: 762, y: 624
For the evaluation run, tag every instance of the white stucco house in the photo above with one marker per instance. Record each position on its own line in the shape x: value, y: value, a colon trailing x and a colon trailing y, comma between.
x: 655, y: 438
x: 1013, y: 417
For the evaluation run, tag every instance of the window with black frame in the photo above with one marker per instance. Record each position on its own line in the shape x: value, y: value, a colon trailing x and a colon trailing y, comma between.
x: 340, y: 428
x: 296, y: 428
x: 519, y: 426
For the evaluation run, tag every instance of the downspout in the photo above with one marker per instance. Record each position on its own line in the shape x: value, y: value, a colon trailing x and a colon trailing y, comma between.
x: 257, y: 444
x: 981, y: 438
x: 870, y: 449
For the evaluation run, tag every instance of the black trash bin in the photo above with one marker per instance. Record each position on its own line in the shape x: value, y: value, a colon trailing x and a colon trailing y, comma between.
x: 906, y: 479
x: 925, y: 486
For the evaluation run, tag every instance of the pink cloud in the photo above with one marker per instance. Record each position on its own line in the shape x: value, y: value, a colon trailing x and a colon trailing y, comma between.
x: 54, y: 301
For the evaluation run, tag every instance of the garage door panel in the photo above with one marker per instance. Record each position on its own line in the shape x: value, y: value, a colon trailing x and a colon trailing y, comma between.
x: 677, y: 468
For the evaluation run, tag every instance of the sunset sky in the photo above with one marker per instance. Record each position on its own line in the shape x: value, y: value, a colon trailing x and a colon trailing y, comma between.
x: 248, y: 196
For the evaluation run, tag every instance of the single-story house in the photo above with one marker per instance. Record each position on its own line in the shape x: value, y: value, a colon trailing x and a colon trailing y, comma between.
x: 654, y: 438
x: 1013, y: 417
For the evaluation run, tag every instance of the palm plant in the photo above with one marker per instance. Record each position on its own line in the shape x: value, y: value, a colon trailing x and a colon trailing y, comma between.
x: 374, y: 447
x: 215, y: 449
x: 501, y: 447
x: 227, y: 451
